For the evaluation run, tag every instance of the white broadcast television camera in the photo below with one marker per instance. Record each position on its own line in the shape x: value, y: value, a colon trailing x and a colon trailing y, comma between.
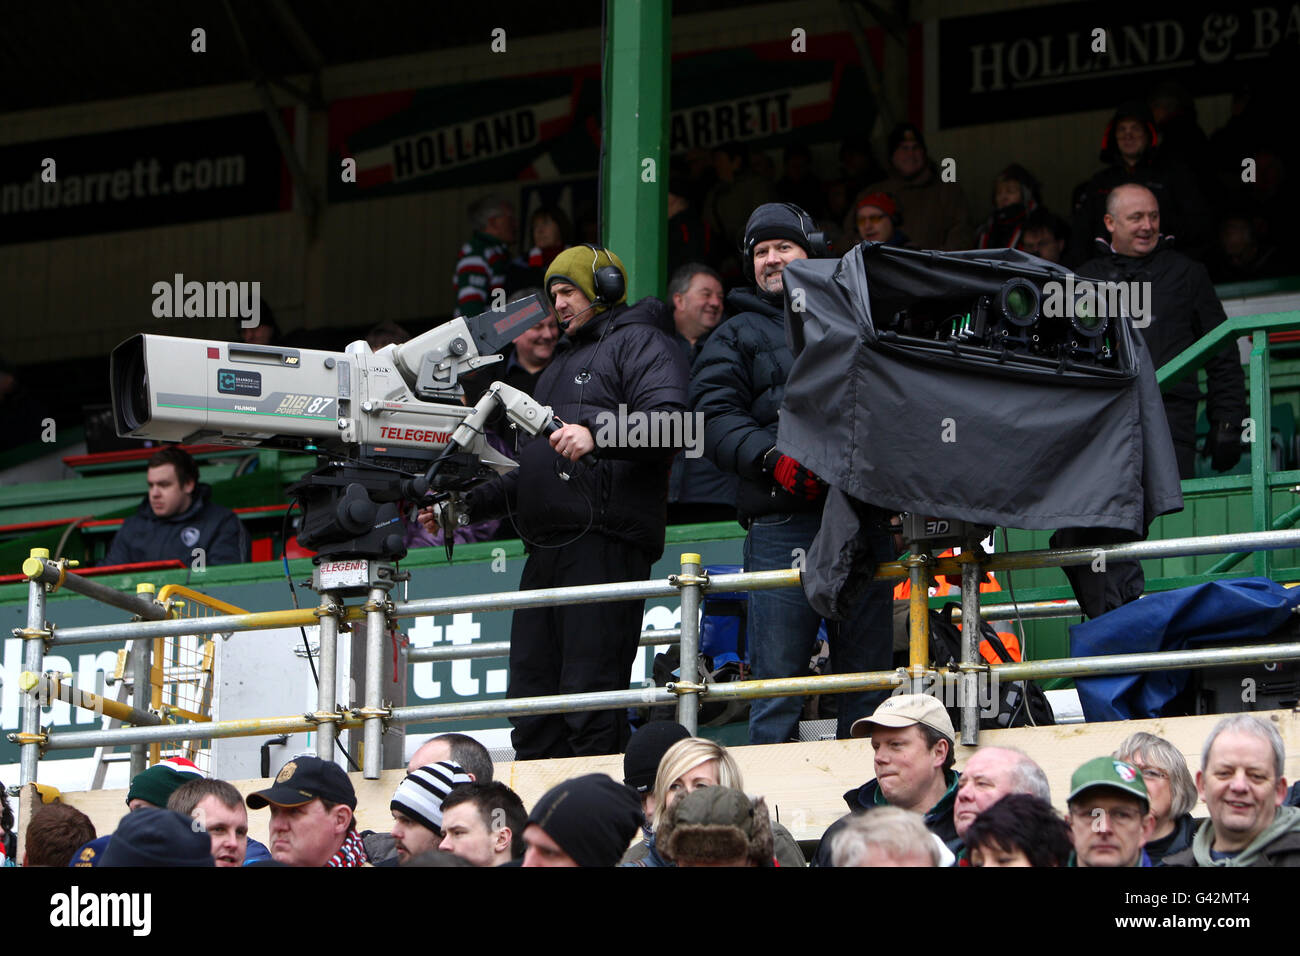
x: 389, y: 426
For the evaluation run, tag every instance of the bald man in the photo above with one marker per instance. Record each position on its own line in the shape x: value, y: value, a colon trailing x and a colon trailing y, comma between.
x: 1178, y: 308
x: 1182, y: 309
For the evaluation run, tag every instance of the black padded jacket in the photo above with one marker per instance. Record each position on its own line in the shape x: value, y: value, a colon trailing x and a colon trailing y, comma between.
x: 622, y: 357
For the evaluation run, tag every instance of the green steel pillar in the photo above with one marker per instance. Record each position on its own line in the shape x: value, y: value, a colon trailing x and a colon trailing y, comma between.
x: 635, y: 187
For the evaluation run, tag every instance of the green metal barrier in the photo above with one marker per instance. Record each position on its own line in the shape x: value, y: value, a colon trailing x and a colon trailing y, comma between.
x: 1259, y: 500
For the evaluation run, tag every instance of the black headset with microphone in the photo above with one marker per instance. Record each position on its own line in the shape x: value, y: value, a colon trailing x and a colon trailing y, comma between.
x: 608, y: 281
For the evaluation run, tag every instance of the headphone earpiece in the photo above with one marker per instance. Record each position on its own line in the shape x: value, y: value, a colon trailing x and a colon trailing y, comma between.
x: 819, y: 246
x: 608, y: 281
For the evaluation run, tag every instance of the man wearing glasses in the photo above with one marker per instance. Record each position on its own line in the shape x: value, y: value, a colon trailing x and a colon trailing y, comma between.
x: 1110, y: 814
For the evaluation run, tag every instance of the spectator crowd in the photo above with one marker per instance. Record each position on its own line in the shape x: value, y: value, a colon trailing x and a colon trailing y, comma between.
x: 683, y: 803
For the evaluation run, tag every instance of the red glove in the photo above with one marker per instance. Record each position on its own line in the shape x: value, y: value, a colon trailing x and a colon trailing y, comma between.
x: 797, y: 479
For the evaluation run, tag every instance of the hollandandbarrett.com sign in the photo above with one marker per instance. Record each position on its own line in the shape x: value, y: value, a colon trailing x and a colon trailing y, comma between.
x: 549, y: 125
x: 1039, y: 61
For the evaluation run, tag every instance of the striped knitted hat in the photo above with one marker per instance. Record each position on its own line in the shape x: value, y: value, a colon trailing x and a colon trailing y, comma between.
x: 159, y: 782
x: 420, y: 795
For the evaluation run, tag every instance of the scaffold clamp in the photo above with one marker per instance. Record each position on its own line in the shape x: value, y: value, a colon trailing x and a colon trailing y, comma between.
x: 687, y: 580
x: 686, y: 687
x: 24, y: 740
x: 330, y: 610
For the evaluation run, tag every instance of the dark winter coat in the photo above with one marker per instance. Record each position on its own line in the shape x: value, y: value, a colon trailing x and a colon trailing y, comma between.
x: 1184, y: 308
x: 737, y: 384
x: 938, y: 820
x: 698, y: 480
x: 146, y: 537
x: 1176, y: 842
x: 622, y: 357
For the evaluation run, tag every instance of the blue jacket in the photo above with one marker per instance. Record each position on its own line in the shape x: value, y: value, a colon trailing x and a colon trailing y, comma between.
x: 146, y: 537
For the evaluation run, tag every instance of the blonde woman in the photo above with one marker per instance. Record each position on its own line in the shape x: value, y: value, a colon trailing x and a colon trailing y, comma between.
x: 687, y: 766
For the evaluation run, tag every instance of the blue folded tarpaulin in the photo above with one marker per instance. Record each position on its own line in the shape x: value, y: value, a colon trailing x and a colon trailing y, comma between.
x: 1243, y: 609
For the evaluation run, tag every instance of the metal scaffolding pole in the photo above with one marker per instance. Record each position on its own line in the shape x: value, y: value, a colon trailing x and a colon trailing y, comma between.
x: 327, y: 703
x: 33, y: 636
x: 918, y: 645
x: 462, y: 652
x: 970, y: 640
x: 1035, y: 610
x: 640, y: 590
x: 688, y: 704
x: 38, y: 567
x: 373, y: 733
x: 653, y: 696
x: 51, y: 687
x: 141, y: 691
x: 1136, y: 551
x: 1147, y: 661
x: 327, y: 721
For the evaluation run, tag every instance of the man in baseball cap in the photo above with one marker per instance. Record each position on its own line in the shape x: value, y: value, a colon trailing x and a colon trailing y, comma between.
x: 913, y: 740
x: 1110, y: 814
x: 312, y: 822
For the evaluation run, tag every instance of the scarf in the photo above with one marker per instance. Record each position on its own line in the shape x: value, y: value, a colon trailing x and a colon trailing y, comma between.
x: 351, y: 853
x: 1285, y: 820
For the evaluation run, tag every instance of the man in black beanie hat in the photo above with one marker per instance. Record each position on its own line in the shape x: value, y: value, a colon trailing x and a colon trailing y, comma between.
x: 153, y: 837
x: 586, y: 821
x: 737, y: 384
x: 645, y: 750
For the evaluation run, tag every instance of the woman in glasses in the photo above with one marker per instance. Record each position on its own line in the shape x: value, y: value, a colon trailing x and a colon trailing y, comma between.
x: 1171, y: 789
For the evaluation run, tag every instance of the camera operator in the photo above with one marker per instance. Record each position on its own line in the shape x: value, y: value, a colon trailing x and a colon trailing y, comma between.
x: 738, y: 382
x: 585, y: 520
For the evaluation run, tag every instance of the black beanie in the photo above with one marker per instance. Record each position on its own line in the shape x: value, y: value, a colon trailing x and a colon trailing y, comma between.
x: 152, y: 837
x: 592, y: 818
x: 646, y: 748
x: 774, y: 220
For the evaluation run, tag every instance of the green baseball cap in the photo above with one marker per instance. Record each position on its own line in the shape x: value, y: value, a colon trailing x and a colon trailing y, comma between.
x: 1112, y: 773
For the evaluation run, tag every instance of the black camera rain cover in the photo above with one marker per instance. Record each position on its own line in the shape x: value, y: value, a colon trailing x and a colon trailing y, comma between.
x: 953, y: 439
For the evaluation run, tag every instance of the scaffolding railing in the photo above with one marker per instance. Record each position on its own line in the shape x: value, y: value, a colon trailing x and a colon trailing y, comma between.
x: 686, y: 693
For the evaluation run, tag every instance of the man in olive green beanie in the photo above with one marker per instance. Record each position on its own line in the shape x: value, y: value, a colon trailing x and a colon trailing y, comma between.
x: 154, y: 787
x: 589, y: 515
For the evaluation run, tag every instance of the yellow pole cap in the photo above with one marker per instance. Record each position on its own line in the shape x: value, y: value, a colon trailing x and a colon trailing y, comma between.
x: 690, y: 558
x: 48, y: 794
x: 32, y: 568
x: 27, y: 680
x: 40, y: 552
x: 144, y: 588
